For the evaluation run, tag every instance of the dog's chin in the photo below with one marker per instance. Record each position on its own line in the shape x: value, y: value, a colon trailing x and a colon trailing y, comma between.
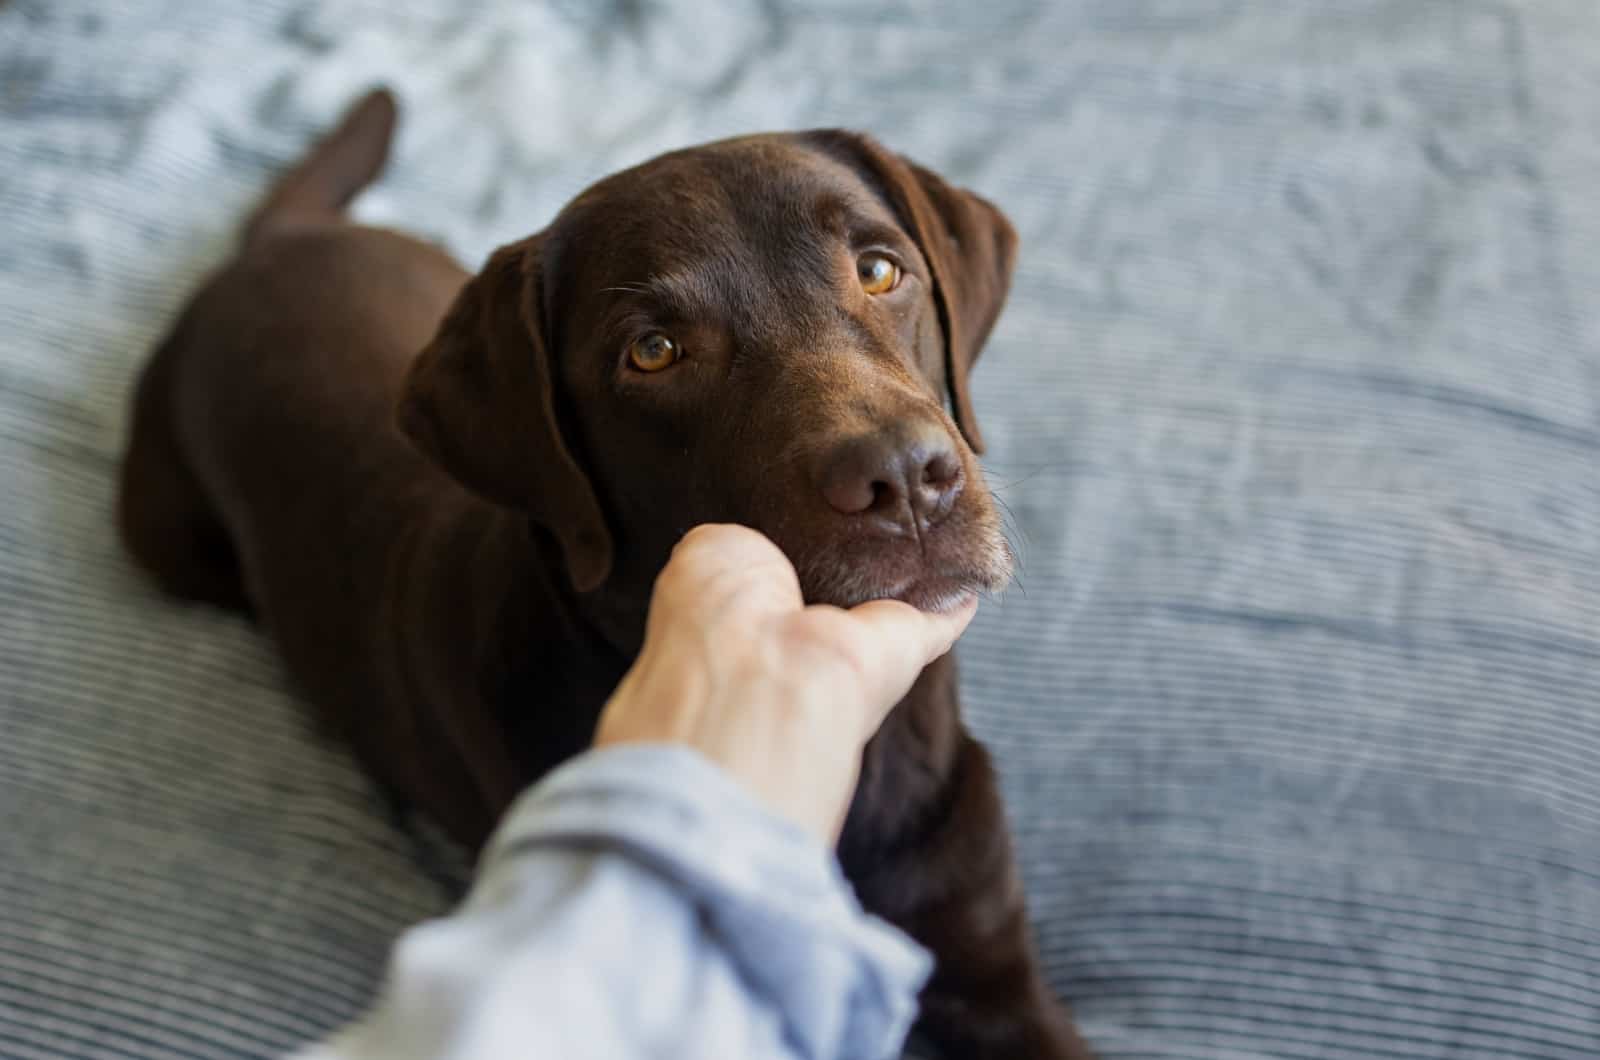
x: 936, y: 595
x: 926, y: 586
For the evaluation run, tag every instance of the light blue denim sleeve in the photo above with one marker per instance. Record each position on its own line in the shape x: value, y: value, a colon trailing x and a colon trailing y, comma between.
x: 638, y: 903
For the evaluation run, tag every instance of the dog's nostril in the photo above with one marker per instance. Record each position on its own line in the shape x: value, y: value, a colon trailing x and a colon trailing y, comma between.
x: 908, y: 478
x: 849, y: 491
x: 941, y: 470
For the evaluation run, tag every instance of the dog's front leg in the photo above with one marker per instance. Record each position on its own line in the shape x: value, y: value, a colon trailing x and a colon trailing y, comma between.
x: 927, y: 847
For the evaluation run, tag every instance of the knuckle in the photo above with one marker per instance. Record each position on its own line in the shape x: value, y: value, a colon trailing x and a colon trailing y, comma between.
x: 698, y: 536
x: 827, y: 638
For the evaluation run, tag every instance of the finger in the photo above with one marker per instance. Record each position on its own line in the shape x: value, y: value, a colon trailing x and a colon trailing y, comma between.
x: 926, y: 635
x: 890, y: 644
x: 718, y: 563
x: 726, y: 543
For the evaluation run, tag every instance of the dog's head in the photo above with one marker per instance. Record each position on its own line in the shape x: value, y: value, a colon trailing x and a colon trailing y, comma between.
x: 761, y: 331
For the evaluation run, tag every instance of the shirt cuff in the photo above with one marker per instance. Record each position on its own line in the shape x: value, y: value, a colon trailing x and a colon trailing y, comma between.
x: 845, y: 981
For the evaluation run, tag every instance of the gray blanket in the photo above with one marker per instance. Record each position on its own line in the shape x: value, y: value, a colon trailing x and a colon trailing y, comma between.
x: 1296, y: 409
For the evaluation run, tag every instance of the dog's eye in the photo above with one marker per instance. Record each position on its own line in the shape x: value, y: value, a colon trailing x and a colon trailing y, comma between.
x: 653, y: 352
x: 877, y: 273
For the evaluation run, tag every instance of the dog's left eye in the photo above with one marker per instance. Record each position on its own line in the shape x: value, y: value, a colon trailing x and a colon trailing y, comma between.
x: 878, y: 275
x: 653, y: 353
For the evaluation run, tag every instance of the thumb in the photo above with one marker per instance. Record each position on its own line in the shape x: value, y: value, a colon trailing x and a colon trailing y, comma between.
x: 899, y: 641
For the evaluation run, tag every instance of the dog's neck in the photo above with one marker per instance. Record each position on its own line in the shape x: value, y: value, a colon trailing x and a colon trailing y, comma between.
x: 545, y: 624
x: 611, y: 616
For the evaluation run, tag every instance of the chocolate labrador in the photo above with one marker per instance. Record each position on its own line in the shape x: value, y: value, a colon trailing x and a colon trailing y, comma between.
x: 454, y: 548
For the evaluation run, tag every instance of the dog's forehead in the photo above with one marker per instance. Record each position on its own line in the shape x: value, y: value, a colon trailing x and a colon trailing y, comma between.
x: 757, y: 196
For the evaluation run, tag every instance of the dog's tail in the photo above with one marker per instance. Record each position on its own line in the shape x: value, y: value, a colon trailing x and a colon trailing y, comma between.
x: 339, y: 166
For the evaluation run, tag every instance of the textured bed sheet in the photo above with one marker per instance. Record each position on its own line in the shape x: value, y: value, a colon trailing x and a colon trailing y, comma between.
x: 1296, y: 410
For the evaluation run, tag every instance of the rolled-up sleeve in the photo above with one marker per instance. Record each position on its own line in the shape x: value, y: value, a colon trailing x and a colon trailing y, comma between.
x: 638, y: 903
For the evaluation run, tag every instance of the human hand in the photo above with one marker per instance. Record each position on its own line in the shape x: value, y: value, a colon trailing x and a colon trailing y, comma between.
x: 782, y: 696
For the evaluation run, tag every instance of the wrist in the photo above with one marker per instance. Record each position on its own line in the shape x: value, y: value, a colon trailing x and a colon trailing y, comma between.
x: 658, y: 701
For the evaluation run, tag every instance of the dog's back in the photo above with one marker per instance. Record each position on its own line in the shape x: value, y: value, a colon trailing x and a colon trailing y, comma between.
x: 264, y: 472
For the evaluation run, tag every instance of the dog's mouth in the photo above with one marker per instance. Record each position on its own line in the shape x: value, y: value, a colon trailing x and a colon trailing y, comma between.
x: 941, y: 588
x: 938, y: 595
x: 846, y: 562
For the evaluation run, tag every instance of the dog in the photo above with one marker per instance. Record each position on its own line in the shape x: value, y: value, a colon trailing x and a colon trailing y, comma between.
x: 446, y: 497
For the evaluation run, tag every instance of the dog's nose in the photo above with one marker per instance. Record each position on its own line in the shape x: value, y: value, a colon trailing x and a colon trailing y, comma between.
x: 900, y: 476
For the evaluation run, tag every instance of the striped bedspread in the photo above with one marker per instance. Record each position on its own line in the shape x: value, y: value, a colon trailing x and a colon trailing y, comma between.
x: 1296, y: 411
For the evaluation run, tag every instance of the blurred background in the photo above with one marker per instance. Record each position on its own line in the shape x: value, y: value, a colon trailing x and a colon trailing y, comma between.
x: 1296, y: 408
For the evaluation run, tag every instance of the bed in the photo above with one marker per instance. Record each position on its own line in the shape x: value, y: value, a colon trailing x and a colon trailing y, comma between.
x: 1295, y: 410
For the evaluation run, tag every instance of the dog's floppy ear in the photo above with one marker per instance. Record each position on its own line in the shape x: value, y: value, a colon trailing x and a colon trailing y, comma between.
x: 480, y: 402
x: 968, y: 244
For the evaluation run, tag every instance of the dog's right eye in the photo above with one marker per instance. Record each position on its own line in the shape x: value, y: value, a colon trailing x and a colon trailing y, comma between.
x: 653, y: 352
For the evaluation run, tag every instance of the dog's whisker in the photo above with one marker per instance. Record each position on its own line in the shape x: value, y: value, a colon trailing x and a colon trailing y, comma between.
x: 1020, y: 466
x: 1014, y: 483
x: 1011, y: 529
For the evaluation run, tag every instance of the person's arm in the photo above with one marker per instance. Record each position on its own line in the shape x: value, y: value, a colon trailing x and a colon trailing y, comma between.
x: 673, y: 893
x: 639, y: 903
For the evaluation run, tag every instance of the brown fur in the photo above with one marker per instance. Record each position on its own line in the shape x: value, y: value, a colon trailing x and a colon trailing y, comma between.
x: 454, y: 550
